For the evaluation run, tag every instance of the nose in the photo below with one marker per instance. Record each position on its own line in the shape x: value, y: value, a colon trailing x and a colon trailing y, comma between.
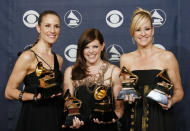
x: 90, y: 50
x: 52, y: 29
x: 143, y: 33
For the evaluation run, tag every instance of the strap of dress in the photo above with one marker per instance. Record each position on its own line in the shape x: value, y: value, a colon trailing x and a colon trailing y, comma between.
x: 56, y: 63
x: 37, y: 56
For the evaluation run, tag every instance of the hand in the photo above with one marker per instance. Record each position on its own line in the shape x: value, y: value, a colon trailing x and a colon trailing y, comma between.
x: 170, y: 103
x: 76, y: 124
x: 130, y: 98
x: 56, y: 95
x: 102, y: 122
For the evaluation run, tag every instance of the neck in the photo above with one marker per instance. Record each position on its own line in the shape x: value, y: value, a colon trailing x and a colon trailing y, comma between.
x: 43, y: 48
x: 145, y: 51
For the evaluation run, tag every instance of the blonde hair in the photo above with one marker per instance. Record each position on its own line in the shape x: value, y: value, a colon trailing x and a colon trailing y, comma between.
x: 140, y: 16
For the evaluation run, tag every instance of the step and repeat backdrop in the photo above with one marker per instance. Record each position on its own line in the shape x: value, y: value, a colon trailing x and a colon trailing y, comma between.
x: 112, y: 18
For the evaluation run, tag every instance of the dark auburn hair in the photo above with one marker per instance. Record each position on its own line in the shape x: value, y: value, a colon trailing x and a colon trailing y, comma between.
x: 79, y: 70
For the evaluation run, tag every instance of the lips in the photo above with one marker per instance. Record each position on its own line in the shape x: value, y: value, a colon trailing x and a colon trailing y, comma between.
x: 51, y: 36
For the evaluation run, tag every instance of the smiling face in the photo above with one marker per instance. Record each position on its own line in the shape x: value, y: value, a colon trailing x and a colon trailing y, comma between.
x: 143, y: 34
x: 49, y: 28
x: 92, y: 52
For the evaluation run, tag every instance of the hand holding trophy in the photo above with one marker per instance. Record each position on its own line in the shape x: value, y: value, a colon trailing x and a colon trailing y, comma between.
x: 72, y: 108
x: 103, y: 110
x: 129, y: 81
x: 162, y: 89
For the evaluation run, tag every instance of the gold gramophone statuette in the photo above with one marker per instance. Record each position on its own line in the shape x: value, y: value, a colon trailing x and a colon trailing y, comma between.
x: 129, y: 81
x: 162, y: 88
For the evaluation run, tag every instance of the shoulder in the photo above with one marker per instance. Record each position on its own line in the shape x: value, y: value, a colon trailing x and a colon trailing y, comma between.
x: 128, y: 56
x: 60, y: 59
x: 115, y: 69
x: 68, y: 70
x: 167, y: 55
x: 27, y: 56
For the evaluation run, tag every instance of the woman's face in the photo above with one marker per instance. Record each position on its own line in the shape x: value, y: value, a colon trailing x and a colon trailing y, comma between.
x: 49, y: 29
x: 143, y: 34
x: 92, y: 52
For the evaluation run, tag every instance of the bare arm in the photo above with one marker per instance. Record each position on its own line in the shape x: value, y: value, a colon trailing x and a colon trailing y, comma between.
x: 117, y: 86
x: 20, y: 70
x: 174, y: 75
x: 68, y: 81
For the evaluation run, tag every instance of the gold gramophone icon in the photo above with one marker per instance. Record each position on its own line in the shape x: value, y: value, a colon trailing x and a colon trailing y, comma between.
x: 45, y: 76
x: 71, y: 107
x: 162, y: 88
x: 103, y: 109
x: 129, y: 81
x: 48, y: 84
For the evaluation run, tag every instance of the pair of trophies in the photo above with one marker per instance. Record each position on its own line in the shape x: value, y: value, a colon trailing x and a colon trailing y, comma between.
x: 103, y: 106
x: 158, y: 93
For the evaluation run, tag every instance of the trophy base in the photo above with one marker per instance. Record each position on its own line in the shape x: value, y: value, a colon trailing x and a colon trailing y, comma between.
x: 127, y: 91
x: 48, y: 92
x: 69, y: 119
x: 158, y: 96
x: 104, y: 116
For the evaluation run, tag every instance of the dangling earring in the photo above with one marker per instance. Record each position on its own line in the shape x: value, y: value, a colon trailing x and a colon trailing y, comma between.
x: 152, y: 40
x: 133, y: 41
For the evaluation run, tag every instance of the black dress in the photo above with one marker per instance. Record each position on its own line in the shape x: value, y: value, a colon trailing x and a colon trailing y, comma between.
x: 146, y: 114
x: 44, y: 114
x: 84, y: 90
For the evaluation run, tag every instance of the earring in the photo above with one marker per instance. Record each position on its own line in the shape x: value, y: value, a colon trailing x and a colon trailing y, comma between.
x: 133, y: 41
x: 152, y: 40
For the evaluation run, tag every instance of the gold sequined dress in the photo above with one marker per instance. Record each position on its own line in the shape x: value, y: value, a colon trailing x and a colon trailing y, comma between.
x: 84, y: 90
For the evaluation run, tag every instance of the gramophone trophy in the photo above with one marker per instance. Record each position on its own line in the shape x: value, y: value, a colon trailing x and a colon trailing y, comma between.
x: 103, y: 109
x: 71, y: 107
x: 129, y: 81
x: 47, y: 82
x: 162, y: 89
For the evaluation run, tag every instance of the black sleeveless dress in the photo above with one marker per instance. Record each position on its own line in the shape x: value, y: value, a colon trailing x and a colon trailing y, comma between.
x: 146, y: 114
x: 84, y: 90
x: 44, y: 114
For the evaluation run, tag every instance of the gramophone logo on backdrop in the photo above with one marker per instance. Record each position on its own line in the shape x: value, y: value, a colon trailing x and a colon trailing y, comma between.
x: 158, y: 17
x: 73, y: 18
x: 30, y: 18
x: 114, y: 18
x: 114, y: 52
x: 71, y: 53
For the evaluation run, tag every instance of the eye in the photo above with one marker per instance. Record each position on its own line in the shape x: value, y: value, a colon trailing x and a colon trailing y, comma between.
x: 147, y: 28
x: 138, y: 30
x: 57, y: 26
x: 95, y: 46
x: 47, y: 25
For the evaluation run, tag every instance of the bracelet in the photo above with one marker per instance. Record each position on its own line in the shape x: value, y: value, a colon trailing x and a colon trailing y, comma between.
x: 20, y: 96
x: 35, y: 97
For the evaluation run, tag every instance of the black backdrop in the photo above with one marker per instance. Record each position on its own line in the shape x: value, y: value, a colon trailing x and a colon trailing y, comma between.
x: 112, y: 18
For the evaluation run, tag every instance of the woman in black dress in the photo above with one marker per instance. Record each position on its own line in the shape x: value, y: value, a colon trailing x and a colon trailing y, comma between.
x: 96, y: 83
x: 146, y: 63
x: 40, y: 70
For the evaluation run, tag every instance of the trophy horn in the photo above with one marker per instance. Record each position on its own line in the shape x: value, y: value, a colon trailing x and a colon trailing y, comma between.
x: 132, y: 76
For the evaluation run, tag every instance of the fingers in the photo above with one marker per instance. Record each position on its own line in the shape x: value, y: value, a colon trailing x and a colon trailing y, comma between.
x: 102, y: 122
x: 130, y: 98
x: 77, y: 123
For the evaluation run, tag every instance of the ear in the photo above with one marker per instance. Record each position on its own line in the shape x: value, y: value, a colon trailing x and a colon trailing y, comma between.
x: 152, y: 31
x: 103, y: 45
x: 38, y: 28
